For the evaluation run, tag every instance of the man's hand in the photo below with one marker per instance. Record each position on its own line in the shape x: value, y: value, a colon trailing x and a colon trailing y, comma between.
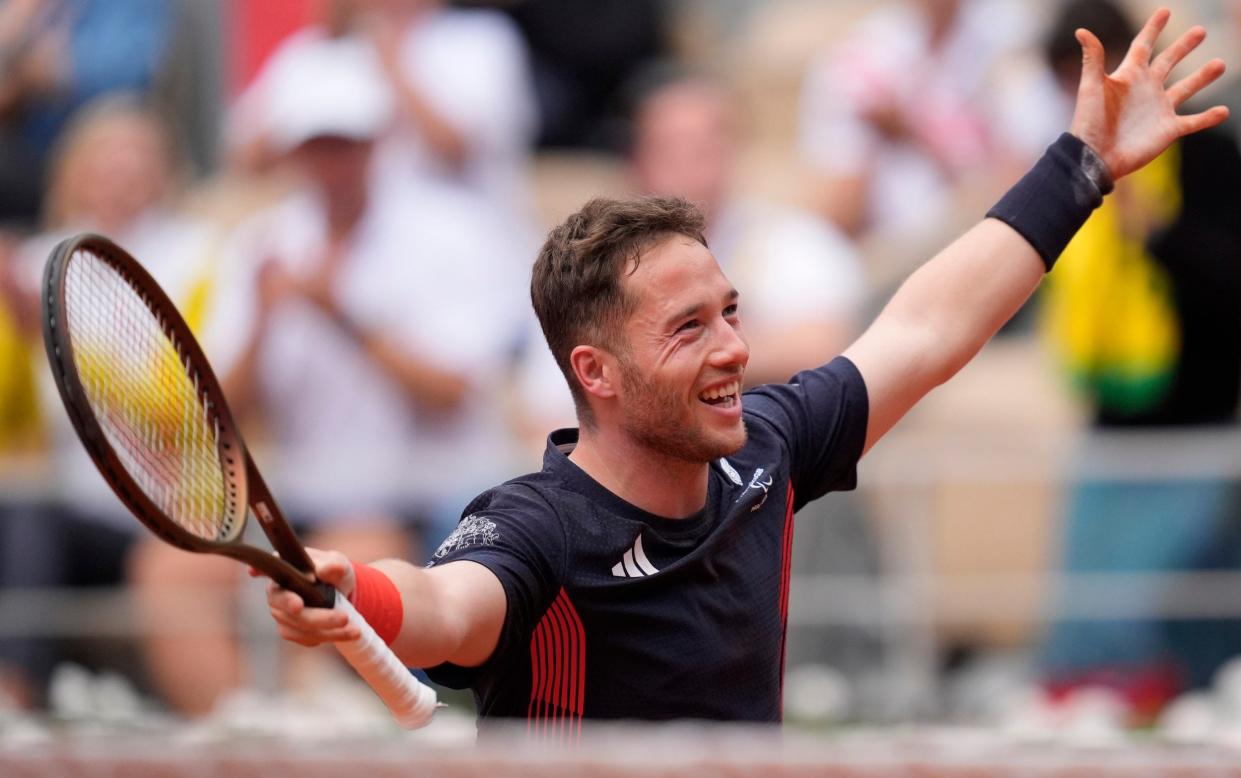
x: 456, y: 610
x: 1129, y: 117
x: 313, y: 626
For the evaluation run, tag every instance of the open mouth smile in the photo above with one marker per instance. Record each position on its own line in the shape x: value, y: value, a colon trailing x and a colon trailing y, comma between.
x: 723, y: 396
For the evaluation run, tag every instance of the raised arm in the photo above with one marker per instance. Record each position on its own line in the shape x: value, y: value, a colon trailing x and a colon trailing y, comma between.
x: 951, y: 306
x: 451, y: 613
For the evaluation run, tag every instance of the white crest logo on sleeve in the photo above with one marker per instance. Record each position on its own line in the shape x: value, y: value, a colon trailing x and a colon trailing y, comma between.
x: 730, y: 471
x: 757, y: 483
x: 474, y: 530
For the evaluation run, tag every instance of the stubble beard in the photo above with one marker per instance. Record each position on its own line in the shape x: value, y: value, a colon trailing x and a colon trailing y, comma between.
x: 651, y: 419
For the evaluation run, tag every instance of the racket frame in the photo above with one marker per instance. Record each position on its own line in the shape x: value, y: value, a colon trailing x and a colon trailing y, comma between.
x: 244, y: 487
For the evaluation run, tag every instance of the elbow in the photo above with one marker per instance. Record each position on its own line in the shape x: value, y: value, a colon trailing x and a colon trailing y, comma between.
x: 942, y: 355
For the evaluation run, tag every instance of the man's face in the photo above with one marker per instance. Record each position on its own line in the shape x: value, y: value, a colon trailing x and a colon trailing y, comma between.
x: 336, y: 165
x: 683, y: 357
x: 124, y: 170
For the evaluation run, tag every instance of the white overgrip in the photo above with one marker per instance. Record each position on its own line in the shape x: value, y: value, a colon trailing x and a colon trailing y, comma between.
x: 411, y: 702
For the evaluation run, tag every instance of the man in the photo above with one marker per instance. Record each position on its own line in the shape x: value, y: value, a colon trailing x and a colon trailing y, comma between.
x: 643, y: 572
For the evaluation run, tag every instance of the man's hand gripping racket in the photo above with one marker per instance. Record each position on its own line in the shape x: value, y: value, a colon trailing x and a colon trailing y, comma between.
x: 149, y: 410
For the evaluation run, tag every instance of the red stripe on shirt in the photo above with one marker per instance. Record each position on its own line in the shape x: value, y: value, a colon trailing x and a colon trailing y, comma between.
x: 786, y: 565
x: 577, y: 703
x: 556, y: 692
x: 557, y: 672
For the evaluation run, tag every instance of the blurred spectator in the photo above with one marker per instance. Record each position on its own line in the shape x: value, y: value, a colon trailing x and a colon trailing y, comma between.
x: 464, y: 96
x: 114, y: 171
x: 1143, y: 311
x: 459, y: 83
x: 902, y: 111
x: 56, y: 56
x: 366, y: 330
x: 583, y: 55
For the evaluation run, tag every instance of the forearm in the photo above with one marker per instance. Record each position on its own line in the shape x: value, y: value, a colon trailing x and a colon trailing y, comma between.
x: 426, y: 637
x: 947, y: 310
x: 941, y: 317
x: 449, y: 615
x: 957, y: 301
x: 962, y: 297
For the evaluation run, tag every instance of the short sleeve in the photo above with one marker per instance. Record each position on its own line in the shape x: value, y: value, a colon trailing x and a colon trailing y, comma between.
x: 821, y: 415
x: 516, y: 535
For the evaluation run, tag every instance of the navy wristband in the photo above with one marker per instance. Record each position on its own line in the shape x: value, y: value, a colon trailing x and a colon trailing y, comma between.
x: 1051, y: 202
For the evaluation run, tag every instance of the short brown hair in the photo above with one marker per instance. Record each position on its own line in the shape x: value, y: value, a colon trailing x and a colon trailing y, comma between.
x: 576, y: 285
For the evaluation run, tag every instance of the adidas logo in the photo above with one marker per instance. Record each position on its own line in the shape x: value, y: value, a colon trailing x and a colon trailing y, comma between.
x: 634, y: 563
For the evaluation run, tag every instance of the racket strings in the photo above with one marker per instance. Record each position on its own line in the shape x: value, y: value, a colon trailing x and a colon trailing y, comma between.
x: 146, y: 397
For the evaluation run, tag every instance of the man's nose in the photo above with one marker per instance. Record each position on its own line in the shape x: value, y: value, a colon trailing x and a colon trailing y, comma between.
x: 731, y: 348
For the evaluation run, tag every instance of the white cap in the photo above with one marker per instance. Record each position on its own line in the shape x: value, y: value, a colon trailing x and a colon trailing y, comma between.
x: 328, y: 87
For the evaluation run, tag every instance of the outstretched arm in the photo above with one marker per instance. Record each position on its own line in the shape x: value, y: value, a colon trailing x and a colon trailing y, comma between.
x: 451, y: 613
x: 950, y: 307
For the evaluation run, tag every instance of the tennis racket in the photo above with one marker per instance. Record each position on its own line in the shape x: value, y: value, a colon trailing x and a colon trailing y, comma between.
x: 148, y: 408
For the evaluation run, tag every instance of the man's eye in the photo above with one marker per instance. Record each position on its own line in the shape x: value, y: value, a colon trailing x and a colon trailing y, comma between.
x: 730, y: 311
x: 689, y: 325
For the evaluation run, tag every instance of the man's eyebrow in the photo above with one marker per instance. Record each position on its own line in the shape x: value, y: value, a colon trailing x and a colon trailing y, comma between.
x: 690, y: 310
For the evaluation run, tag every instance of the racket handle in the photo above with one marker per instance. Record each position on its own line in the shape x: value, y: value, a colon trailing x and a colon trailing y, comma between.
x: 410, y: 701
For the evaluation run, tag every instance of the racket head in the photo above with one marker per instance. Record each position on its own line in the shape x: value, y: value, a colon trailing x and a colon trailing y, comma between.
x: 141, y: 395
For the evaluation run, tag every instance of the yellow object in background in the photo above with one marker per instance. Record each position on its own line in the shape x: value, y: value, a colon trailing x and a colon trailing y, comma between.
x: 1108, y: 305
x: 20, y: 423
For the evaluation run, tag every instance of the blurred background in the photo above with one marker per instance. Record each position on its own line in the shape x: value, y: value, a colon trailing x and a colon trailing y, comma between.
x: 1047, y: 546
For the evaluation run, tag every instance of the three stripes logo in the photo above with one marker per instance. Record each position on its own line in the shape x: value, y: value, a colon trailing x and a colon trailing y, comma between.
x: 634, y: 563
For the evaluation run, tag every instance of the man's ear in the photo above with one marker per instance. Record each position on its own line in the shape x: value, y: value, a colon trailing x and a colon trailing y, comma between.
x: 595, y: 371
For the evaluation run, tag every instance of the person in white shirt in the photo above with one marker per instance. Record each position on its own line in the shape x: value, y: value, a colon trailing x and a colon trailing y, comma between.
x: 463, y: 106
x: 466, y: 110
x: 898, y: 113
x: 366, y: 331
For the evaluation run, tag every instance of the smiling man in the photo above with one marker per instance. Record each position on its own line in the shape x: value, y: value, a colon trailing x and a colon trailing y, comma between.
x: 643, y: 573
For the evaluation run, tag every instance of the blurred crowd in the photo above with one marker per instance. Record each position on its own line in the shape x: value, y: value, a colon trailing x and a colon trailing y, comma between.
x: 344, y: 198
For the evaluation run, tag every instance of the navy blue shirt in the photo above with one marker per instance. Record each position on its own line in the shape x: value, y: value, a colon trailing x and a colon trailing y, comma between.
x: 615, y: 613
